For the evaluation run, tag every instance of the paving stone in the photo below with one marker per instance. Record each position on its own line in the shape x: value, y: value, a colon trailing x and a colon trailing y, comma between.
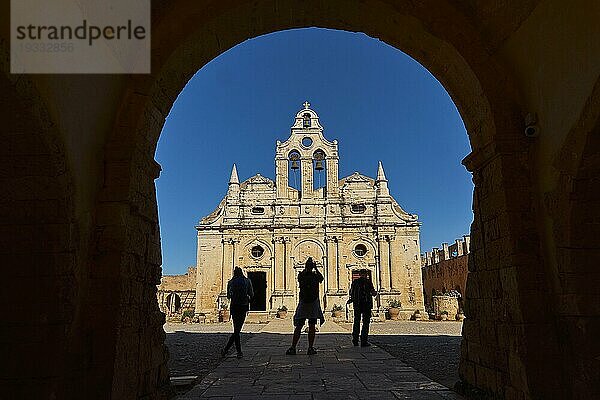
x: 337, y: 371
x: 416, y: 395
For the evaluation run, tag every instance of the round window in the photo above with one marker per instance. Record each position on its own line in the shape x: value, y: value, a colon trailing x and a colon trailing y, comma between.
x: 257, y: 251
x: 306, y: 142
x: 360, y: 250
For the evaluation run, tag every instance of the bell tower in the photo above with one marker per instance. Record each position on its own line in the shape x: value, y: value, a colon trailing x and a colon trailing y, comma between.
x: 308, y: 152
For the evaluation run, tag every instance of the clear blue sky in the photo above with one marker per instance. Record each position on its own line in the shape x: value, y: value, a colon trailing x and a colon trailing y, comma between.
x: 375, y: 100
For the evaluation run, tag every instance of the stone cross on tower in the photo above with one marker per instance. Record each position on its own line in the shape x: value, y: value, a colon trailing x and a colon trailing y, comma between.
x: 306, y: 105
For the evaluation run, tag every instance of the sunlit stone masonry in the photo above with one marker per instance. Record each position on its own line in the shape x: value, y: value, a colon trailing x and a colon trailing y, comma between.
x: 269, y: 228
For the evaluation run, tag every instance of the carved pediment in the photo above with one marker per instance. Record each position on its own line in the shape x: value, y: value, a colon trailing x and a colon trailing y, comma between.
x: 357, y: 178
x: 258, y: 179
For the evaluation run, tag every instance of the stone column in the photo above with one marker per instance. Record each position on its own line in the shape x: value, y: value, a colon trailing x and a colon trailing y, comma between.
x: 273, y: 272
x: 337, y: 264
x: 223, y: 277
x: 288, y: 269
x: 376, y: 278
x: 393, y: 264
x: 332, y: 264
x: 307, y: 177
x: 228, y: 259
x: 281, y: 179
x: 233, y: 255
x: 333, y: 188
x: 325, y: 265
x: 278, y: 269
x: 384, y: 262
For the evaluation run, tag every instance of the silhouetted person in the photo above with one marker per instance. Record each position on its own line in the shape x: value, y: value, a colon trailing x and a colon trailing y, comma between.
x: 309, y: 306
x: 361, y: 295
x: 239, y: 292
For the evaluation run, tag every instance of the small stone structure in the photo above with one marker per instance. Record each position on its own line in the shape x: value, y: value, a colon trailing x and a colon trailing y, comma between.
x: 445, y: 270
x: 177, y: 293
x: 448, y: 305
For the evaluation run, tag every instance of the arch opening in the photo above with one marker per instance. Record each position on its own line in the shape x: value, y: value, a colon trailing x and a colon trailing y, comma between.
x: 317, y: 155
x: 492, y: 114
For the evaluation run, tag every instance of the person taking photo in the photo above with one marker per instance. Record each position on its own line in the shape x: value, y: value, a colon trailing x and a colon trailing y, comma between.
x: 309, y: 306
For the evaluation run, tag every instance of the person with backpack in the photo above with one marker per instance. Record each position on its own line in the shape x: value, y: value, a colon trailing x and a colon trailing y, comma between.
x: 309, y: 306
x: 239, y: 293
x: 361, y: 295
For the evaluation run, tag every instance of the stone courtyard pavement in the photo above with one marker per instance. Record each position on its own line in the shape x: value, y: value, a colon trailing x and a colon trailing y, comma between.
x: 338, y: 371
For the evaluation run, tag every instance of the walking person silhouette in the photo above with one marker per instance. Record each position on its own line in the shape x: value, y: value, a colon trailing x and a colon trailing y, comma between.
x: 309, y: 306
x: 361, y: 295
x: 239, y: 292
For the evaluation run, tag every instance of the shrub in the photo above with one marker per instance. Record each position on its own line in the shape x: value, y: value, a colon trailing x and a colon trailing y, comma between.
x: 393, y: 303
x: 187, y: 314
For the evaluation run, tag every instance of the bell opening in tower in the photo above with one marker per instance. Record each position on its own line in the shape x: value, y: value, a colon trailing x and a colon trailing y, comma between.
x: 320, y: 173
x: 294, y: 174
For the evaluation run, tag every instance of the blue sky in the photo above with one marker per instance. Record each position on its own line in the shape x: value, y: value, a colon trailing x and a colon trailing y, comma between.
x: 376, y: 101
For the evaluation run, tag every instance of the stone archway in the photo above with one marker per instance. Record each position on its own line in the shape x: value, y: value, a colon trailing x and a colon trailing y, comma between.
x: 501, y: 352
x: 43, y: 291
x: 173, y: 302
x: 574, y: 209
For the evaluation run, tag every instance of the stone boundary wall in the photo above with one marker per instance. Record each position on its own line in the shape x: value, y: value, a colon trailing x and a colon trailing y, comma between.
x: 174, y: 283
x: 187, y: 301
x: 445, y: 269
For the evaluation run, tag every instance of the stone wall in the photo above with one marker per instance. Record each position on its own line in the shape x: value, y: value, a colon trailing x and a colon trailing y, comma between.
x: 187, y: 281
x: 445, y: 269
x: 445, y: 276
x: 177, y: 293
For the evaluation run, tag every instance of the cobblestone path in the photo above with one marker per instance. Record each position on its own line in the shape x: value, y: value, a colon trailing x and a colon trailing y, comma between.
x: 431, y: 347
x: 194, y: 349
x: 338, y: 371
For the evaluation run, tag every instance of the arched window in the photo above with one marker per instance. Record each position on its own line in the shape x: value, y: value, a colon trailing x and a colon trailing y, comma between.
x: 173, y: 303
x: 306, y: 120
x: 320, y: 172
x: 294, y: 167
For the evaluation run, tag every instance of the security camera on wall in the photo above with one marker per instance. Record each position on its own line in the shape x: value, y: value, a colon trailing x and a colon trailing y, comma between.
x: 531, y: 128
x: 532, y: 131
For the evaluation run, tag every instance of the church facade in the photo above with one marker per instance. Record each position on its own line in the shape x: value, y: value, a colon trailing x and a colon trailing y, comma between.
x: 269, y: 228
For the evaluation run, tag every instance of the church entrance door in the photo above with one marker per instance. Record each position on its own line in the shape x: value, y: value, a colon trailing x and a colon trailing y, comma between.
x: 259, y: 284
x: 356, y: 274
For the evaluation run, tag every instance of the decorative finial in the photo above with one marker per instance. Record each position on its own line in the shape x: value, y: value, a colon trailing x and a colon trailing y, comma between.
x: 306, y: 105
x: 380, y: 173
x: 234, y: 176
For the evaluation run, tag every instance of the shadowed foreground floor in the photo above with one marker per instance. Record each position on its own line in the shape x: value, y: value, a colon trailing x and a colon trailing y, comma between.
x: 338, y: 371
x: 436, y: 357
